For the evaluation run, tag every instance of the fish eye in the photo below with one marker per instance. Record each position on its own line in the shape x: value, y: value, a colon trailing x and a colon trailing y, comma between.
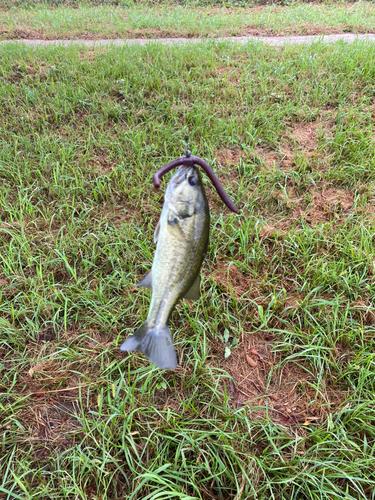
x: 193, y: 181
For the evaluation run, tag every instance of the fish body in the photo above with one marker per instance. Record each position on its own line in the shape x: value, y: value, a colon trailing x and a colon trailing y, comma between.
x: 182, y: 238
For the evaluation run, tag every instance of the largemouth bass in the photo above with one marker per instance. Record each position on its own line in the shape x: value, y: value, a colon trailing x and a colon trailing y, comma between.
x: 182, y: 239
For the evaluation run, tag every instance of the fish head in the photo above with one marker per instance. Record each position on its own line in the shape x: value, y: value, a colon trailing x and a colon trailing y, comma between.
x: 185, y: 192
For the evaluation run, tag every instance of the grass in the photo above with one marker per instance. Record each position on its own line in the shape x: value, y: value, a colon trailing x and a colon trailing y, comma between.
x: 290, y: 133
x: 106, y: 21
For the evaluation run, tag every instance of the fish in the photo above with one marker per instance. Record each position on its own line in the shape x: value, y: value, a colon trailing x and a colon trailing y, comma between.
x: 182, y: 236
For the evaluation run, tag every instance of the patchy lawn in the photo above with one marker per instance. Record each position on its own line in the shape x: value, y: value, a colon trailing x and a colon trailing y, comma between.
x: 274, y: 393
x: 150, y: 21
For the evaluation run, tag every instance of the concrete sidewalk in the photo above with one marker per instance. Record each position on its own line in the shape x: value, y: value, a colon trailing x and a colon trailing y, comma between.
x: 272, y: 40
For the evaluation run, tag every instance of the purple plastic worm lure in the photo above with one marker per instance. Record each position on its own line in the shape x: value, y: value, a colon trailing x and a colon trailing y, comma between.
x: 190, y: 161
x: 182, y: 237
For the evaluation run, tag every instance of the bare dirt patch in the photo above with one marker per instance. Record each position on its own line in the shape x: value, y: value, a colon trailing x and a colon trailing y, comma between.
x: 272, y: 159
x: 50, y: 418
x: 101, y: 161
x: 25, y: 34
x: 229, y: 156
x: 304, y: 29
x: 364, y: 310
x: 284, y: 392
x: 228, y: 75
x: 328, y: 204
x: 276, y: 229
x: 47, y: 334
x: 52, y: 388
x: 30, y: 71
x: 230, y: 278
x: 51, y: 423
x: 306, y: 135
x: 146, y: 33
x: 303, y: 137
x: 153, y: 33
x: 319, y: 204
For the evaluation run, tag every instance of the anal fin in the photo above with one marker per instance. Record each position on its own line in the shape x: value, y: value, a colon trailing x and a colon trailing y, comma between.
x: 146, y: 281
x: 193, y: 293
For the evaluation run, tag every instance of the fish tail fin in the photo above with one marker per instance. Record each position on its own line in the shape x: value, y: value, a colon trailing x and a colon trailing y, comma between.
x: 155, y: 343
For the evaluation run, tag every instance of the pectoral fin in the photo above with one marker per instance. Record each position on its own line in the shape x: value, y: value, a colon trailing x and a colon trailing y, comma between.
x: 175, y: 229
x: 146, y: 281
x: 157, y: 231
x: 193, y: 293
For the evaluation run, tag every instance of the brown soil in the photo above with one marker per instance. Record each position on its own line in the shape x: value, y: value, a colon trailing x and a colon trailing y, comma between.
x: 325, y: 204
x: 229, y: 75
x: 52, y: 423
x: 303, y: 137
x: 307, y: 135
x: 148, y: 33
x: 30, y: 71
x: 24, y: 34
x: 364, y: 311
x: 53, y: 387
x: 281, y: 391
x: 305, y: 29
x: 318, y: 203
x: 230, y: 278
x: 102, y: 162
x: 229, y: 156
